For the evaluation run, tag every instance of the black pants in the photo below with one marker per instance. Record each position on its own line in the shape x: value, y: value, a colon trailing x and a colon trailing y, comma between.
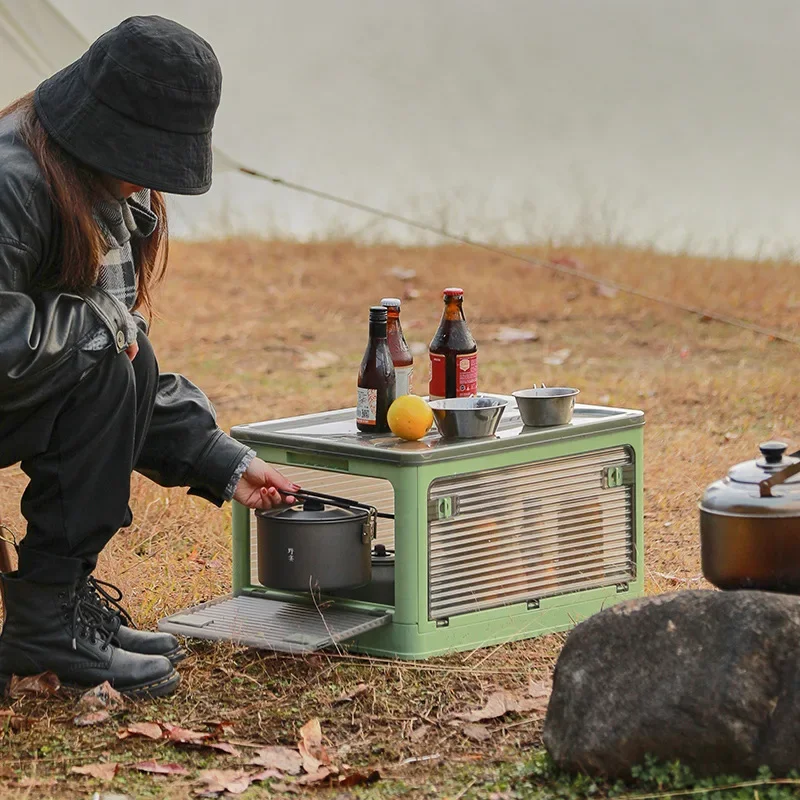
x: 80, y: 451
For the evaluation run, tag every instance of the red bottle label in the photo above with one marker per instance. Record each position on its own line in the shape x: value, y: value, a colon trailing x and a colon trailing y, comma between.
x: 466, y: 376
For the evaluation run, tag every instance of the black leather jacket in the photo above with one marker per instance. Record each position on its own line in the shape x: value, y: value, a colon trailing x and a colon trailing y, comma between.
x: 43, y: 330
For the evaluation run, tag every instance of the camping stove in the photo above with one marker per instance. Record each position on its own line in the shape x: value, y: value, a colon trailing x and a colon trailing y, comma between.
x: 494, y: 540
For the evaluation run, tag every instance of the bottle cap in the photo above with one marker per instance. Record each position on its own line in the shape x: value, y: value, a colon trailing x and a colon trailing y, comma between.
x: 377, y: 314
x: 453, y: 292
x: 390, y: 302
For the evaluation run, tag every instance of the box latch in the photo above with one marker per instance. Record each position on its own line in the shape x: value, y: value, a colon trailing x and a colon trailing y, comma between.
x: 618, y: 475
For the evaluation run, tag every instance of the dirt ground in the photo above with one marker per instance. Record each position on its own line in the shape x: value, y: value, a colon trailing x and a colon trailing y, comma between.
x: 251, y: 322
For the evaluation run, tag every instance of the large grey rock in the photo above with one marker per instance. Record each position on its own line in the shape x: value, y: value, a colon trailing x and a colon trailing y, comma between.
x: 710, y: 678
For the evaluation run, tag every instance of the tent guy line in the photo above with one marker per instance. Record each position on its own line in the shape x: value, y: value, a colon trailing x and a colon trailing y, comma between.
x: 703, y: 313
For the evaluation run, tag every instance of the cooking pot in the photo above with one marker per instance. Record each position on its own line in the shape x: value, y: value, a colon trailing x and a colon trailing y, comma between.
x: 750, y: 524
x: 322, y: 543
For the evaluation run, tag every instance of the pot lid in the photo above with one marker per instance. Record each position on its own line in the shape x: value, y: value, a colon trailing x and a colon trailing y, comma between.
x: 314, y: 511
x: 773, y: 459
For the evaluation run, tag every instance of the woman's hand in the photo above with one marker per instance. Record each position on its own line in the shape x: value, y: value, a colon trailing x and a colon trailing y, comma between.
x: 132, y: 350
x: 258, y: 487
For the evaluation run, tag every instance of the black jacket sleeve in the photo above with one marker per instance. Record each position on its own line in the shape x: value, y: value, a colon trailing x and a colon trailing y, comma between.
x: 184, y: 446
x: 41, y: 331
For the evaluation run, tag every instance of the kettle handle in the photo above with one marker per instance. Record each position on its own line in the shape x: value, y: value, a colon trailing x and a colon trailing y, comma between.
x: 779, y: 477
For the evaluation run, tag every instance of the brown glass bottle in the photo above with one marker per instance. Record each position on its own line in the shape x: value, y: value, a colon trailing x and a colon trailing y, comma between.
x: 401, y: 353
x: 376, y: 379
x: 453, y: 352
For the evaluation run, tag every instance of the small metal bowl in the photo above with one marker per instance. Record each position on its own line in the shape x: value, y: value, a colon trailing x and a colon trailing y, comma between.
x: 467, y: 417
x: 546, y: 407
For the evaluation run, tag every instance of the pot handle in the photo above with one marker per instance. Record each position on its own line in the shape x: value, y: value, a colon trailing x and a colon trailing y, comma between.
x: 332, y: 500
x: 779, y: 477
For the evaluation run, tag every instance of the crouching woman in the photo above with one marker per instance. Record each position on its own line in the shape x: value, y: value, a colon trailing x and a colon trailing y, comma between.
x: 84, y: 161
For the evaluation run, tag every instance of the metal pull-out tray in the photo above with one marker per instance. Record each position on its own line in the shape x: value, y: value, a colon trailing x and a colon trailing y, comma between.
x: 277, y: 625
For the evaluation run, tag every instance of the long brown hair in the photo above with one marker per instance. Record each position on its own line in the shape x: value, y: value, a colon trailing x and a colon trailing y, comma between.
x: 74, y: 189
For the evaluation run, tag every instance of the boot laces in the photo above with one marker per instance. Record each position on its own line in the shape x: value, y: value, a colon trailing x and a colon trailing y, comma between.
x: 88, y: 619
x: 106, y: 598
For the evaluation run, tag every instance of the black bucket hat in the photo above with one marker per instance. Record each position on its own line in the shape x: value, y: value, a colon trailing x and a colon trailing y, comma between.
x: 139, y: 105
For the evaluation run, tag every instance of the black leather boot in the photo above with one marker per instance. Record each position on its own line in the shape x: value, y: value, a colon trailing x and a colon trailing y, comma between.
x: 107, y: 599
x: 54, y: 628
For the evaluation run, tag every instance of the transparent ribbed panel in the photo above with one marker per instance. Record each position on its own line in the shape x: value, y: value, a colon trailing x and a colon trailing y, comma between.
x: 528, y: 532
x: 374, y: 491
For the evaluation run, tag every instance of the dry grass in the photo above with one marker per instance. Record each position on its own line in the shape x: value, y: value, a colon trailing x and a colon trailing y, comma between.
x: 239, y: 317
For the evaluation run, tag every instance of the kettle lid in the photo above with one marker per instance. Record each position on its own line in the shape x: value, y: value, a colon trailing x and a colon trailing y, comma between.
x: 773, y: 459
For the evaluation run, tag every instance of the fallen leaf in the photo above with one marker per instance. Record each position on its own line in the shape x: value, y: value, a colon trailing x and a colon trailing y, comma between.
x: 223, y: 747
x: 161, y: 769
x: 103, y: 772
x: 216, y: 781
x: 150, y: 730
x: 183, y: 735
x: 478, y: 733
x: 319, y: 360
x: 91, y: 718
x: 19, y: 723
x: 348, y: 697
x: 16, y: 722
x: 730, y: 437
x: 410, y: 293
x: 420, y: 733
x: 320, y: 774
x: 281, y: 758
x: 265, y: 774
x: 500, y: 703
x: 557, y: 358
x: 359, y: 779
x: 512, y: 335
x: 311, y: 748
x: 46, y: 683
x: 602, y: 290
x: 540, y: 691
x: 104, y: 696
x: 418, y: 348
x: 495, y: 707
x: 403, y: 274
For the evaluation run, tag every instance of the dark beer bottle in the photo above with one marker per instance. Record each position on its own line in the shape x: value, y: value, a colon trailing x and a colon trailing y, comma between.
x: 376, y: 379
x: 398, y: 347
x: 453, y: 352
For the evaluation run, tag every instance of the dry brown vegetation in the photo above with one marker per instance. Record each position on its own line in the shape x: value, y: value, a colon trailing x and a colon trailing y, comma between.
x: 243, y: 318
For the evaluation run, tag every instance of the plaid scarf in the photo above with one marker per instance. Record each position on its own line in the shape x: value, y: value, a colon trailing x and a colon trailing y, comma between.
x: 120, y: 220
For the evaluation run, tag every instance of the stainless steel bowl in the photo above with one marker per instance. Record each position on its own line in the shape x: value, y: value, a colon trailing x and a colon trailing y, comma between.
x: 543, y: 408
x: 467, y: 417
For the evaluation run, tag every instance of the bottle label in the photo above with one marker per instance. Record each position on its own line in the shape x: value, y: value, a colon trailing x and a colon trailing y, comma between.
x: 438, y: 376
x: 466, y: 376
x: 367, y: 410
x: 403, y: 380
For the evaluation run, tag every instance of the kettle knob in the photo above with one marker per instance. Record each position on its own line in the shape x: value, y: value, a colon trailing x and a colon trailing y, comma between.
x: 313, y: 504
x: 773, y: 451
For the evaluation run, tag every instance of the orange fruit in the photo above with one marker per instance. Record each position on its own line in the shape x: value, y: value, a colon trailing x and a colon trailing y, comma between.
x: 410, y: 417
